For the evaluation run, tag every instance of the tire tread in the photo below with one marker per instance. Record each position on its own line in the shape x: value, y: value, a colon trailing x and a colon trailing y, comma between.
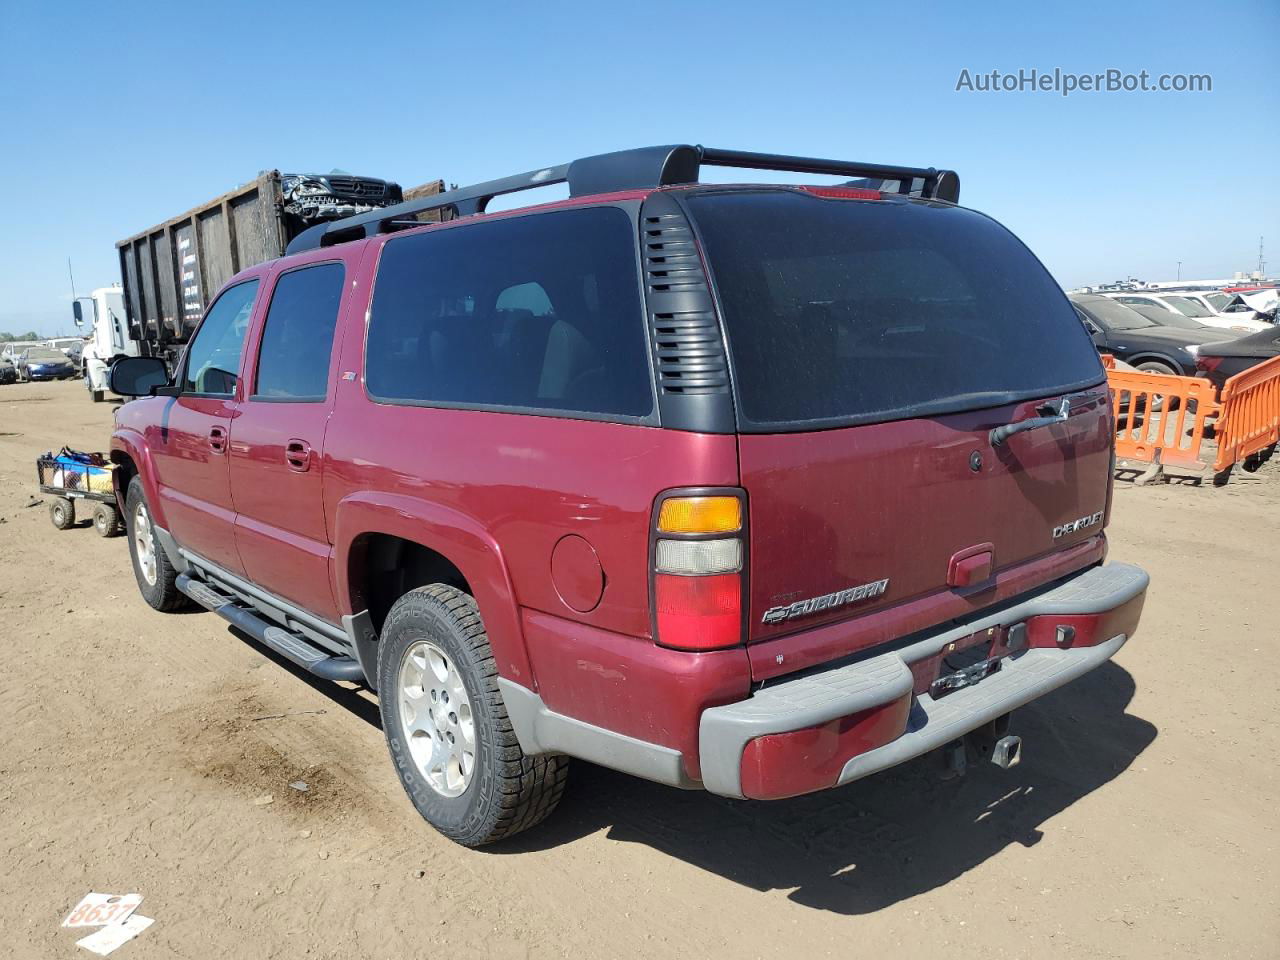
x: 529, y: 787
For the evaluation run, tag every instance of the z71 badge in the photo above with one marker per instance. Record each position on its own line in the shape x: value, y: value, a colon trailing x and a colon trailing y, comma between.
x: 802, y: 608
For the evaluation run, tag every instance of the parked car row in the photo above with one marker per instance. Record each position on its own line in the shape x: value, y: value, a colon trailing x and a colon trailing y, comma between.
x: 1139, y: 339
x: 1221, y: 310
x: 57, y: 359
x: 1161, y: 333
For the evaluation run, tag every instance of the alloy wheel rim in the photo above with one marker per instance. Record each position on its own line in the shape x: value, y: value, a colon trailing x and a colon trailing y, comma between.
x: 438, y: 721
x: 145, y: 543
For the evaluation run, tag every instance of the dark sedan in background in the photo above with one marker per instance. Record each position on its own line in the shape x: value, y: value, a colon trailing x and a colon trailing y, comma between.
x: 44, y: 363
x: 1221, y: 360
x: 1131, y: 337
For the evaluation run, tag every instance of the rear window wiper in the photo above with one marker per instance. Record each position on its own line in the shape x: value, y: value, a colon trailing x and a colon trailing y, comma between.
x: 1050, y: 413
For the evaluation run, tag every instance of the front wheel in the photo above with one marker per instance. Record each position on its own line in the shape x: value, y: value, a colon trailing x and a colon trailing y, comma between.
x: 447, y: 727
x: 151, y: 566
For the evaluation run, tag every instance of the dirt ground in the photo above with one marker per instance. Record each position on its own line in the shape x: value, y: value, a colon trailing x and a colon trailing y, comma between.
x: 1142, y: 821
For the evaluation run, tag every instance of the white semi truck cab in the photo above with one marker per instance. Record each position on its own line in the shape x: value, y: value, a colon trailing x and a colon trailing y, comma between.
x: 102, y: 314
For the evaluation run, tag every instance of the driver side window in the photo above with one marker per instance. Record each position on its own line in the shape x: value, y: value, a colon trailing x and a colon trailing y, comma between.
x: 213, y: 358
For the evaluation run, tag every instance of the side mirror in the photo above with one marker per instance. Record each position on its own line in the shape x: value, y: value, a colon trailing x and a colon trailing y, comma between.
x: 137, y: 376
x: 76, y: 313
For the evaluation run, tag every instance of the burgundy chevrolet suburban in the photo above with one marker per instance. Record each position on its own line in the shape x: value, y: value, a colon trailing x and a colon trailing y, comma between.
x: 758, y: 489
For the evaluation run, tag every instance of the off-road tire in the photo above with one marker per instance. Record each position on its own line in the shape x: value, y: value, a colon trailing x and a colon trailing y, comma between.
x: 62, y: 513
x: 508, y: 792
x: 161, y: 595
x: 106, y: 520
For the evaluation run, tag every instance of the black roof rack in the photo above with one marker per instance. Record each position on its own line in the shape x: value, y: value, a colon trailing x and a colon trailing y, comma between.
x: 623, y: 170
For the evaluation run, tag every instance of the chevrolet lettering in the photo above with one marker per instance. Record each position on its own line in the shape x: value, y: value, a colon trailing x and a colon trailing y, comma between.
x: 1074, y: 525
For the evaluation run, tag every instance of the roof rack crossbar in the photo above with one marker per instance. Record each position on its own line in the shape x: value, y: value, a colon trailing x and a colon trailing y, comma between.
x: 845, y: 168
x: 645, y: 167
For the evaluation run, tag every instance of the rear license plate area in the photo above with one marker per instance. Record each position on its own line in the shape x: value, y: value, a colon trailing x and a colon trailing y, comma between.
x: 963, y: 663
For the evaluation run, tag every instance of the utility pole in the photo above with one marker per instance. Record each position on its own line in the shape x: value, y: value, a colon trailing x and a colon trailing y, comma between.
x: 1179, y: 269
x: 1262, y: 264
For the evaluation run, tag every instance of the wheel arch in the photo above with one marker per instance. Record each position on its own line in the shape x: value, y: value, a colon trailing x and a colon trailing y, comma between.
x: 132, y: 458
x: 1143, y: 356
x: 423, y: 539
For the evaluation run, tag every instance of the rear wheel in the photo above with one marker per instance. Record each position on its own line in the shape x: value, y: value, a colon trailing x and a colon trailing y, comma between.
x: 447, y: 727
x: 151, y: 566
x: 62, y: 512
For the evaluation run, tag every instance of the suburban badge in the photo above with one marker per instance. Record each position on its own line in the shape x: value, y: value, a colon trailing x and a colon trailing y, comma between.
x: 840, y: 598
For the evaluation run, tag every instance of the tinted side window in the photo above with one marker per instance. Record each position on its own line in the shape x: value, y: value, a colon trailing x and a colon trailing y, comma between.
x: 539, y: 312
x: 297, y: 339
x: 213, y: 358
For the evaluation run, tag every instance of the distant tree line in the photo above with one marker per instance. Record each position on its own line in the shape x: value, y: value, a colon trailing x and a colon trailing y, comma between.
x: 10, y: 337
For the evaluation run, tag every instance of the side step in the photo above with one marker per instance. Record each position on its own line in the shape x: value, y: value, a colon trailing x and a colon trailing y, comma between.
x: 289, y: 645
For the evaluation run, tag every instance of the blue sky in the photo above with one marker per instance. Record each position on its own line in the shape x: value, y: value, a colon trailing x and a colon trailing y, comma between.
x: 118, y: 115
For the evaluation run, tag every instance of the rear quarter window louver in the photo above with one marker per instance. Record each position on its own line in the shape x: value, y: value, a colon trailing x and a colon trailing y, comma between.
x: 687, y: 343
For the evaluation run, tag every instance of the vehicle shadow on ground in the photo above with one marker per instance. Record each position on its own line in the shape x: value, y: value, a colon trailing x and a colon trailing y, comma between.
x: 862, y: 847
x: 347, y: 696
x: 865, y: 846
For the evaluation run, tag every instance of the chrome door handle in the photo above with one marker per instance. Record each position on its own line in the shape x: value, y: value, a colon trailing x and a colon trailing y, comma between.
x: 297, y: 453
x: 218, y: 440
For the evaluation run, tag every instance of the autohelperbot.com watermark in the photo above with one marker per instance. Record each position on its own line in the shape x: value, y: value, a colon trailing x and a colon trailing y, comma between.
x: 1065, y: 83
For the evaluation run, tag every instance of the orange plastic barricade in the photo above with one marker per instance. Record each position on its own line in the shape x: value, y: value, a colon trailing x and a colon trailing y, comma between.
x: 1160, y: 419
x: 1250, y: 417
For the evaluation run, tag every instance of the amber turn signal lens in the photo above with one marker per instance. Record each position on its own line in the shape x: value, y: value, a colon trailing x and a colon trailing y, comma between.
x: 700, y: 515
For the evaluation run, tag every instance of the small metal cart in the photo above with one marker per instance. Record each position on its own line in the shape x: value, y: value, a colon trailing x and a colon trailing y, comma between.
x: 70, y: 475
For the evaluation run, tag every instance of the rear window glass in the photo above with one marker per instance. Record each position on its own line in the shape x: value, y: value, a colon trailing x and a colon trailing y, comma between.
x: 842, y: 311
x: 538, y: 313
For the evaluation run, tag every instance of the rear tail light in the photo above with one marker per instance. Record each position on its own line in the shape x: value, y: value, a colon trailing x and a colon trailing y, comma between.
x: 699, y: 613
x: 1208, y: 364
x: 700, y: 515
x: 698, y: 558
x: 697, y: 571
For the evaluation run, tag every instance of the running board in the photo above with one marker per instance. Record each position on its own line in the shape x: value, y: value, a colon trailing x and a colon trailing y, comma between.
x: 292, y: 647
